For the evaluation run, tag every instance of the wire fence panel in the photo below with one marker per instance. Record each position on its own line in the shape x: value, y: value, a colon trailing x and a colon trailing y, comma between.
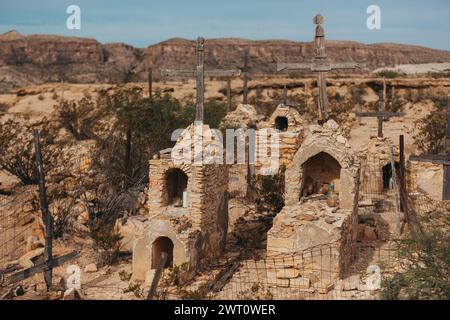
x: 18, y: 221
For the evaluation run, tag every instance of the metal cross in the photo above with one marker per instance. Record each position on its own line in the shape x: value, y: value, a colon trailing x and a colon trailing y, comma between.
x: 381, y: 114
x: 200, y: 73
x: 320, y: 64
x: 443, y: 159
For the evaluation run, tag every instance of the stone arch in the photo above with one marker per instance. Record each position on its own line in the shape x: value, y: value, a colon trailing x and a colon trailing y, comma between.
x: 386, y: 171
x: 320, y: 171
x: 290, y: 114
x: 175, y: 183
x: 160, y: 245
x: 348, y: 175
x: 163, y: 229
x: 281, y: 123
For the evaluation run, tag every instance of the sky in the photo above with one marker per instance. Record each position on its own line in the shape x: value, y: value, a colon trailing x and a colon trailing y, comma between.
x: 145, y: 22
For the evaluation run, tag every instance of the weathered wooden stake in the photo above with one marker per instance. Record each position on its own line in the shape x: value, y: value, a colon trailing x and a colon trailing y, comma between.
x: 150, y: 83
x: 228, y: 95
x: 46, y: 216
x: 158, y: 274
x: 446, y: 177
x: 396, y: 191
x: 403, y: 203
x: 245, y: 69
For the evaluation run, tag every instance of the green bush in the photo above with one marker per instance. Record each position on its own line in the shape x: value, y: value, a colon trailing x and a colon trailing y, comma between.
x: 270, y: 191
x: 389, y: 74
x: 429, y: 133
x: 427, y: 272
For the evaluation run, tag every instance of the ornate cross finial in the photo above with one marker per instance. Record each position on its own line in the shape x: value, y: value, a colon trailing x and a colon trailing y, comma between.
x: 319, y: 39
x: 200, y: 43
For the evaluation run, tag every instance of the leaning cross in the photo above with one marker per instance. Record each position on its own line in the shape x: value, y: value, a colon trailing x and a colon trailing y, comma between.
x: 200, y: 73
x: 381, y: 114
x: 443, y: 159
x: 320, y: 64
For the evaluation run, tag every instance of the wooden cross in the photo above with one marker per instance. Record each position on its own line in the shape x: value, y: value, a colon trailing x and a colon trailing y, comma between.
x: 320, y: 64
x: 443, y: 159
x: 200, y: 73
x: 49, y: 261
x: 381, y: 114
x: 43, y: 267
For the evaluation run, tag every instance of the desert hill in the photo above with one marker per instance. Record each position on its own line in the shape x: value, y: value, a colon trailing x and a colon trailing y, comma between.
x: 36, y: 59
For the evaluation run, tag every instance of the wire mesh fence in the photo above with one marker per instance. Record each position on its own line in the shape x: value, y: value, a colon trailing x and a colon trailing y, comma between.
x: 17, y: 217
x: 20, y: 216
x: 307, y: 275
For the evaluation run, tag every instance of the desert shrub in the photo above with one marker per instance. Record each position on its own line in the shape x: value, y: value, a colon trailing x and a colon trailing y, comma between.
x: 136, y: 289
x: 429, y: 133
x: 395, y: 104
x: 357, y: 94
x: 107, y: 240
x: 439, y: 99
x: 17, y: 146
x: 139, y: 128
x: 41, y: 97
x: 340, y: 108
x: 214, y: 112
x: 3, y: 108
x: 270, y: 191
x: 202, y: 293
x: 426, y: 274
x: 125, y: 276
x: 76, y: 116
x: 55, y: 96
x: 389, y: 74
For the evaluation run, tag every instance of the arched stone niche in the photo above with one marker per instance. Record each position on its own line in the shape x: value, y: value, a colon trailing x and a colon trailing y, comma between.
x: 325, y: 140
x: 143, y: 248
x: 291, y: 116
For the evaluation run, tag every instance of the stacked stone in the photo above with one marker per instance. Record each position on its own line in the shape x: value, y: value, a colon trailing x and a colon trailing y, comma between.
x: 198, y: 232
x: 301, y: 226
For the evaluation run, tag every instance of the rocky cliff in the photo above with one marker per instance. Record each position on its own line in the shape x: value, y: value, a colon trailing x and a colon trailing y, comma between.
x: 43, y: 58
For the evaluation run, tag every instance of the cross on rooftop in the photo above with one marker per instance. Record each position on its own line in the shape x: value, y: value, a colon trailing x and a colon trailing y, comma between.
x: 320, y: 64
x: 381, y: 114
x: 200, y: 73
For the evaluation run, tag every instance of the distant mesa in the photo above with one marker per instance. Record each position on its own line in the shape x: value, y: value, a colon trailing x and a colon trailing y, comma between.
x: 11, y: 35
x: 40, y: 58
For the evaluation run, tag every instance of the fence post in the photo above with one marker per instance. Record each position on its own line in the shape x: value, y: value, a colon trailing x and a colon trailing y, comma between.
x: 46, y: 216
x: 157, y: 277
x: 150, y: 83
x: 402, y: 176
x: 396, y: 190
x: 228, y: 94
